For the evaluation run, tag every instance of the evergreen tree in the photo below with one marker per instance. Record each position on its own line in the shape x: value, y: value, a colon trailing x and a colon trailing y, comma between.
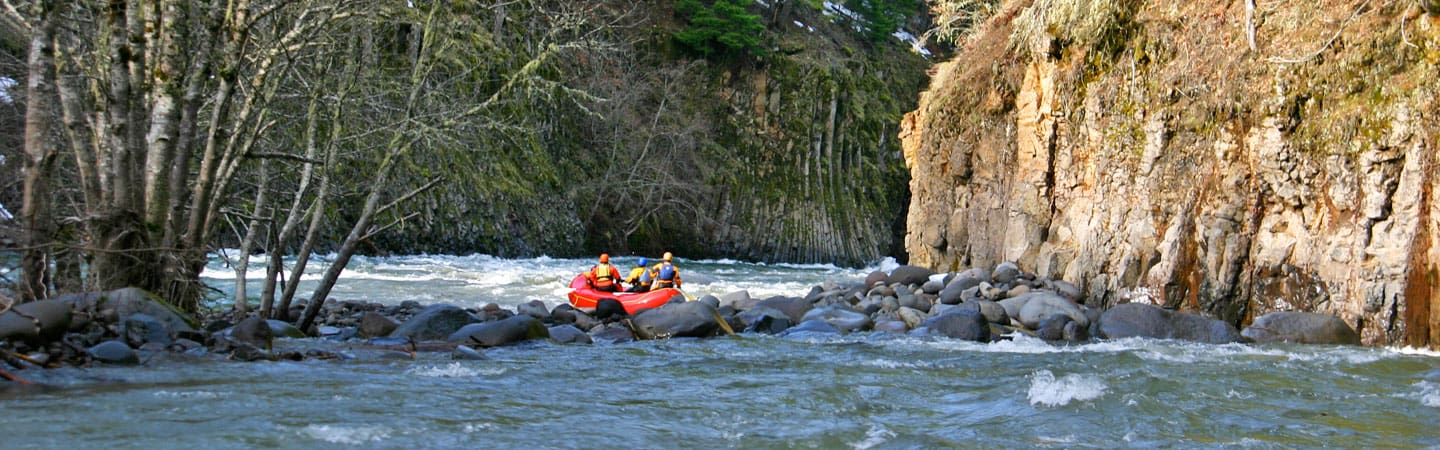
x: 721, y: 28
x: 881, y: 18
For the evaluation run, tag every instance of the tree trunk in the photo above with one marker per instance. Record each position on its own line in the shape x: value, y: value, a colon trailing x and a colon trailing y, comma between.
x: 248, y: 243
x: 36, y: 213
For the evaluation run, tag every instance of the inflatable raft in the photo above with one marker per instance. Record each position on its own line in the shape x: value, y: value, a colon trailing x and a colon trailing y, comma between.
x: 584, y: 297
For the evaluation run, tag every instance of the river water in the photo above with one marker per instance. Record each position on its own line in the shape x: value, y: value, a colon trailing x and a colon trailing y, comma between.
x: 858, y: 391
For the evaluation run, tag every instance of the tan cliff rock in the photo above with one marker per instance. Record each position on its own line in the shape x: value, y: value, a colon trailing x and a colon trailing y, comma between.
x: 1157, y: 152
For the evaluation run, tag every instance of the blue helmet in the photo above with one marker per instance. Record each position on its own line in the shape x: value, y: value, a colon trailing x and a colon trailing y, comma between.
x: 642, y: 261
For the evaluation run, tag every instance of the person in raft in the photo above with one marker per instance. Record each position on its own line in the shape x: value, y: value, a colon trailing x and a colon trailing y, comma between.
x: 639, y: 278
x: 665, y: 274
x: 603, y: 276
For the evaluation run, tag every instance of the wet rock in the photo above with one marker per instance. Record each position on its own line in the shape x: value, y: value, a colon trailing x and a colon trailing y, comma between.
x: 466, y: 353
x: 1067, y: 290
x: 1005, y: 272
x: 1043, y: 304
x: 882, y: 291
x: 569, y: 334
x: 876, y: 277
x: 609, y: 309
x: 283, y: 329
x: 908, y: 275
x: 992, y: 311
x: 766, y: 323
x: 794, y: 308
x: 915, y: 302
x: 1075, y: 333
x: 891, y: 326
x: 691, y: 319
x: 753, y: 316
x: 253, y: 331
x: 740, y: 300
x: 932, y: 286
x: 1017, y: 291
x: 612, y: 333
x: 912, y: 317
x: 959, y: 324
x: 1053, y: 327
x: 812, y: 326
x: 436, y: 322
x: 1138, y: 320
x: 508, y: 331
x: 842, y: 318
x: 373, y: 324
x: 114, y: 352
x: 564, y: 314
x: 534, y: 308
x: 1301, y: 328
x: 139, y: 329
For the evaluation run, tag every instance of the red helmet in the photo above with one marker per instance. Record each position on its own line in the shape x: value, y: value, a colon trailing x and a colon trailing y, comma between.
x: 604, y: 257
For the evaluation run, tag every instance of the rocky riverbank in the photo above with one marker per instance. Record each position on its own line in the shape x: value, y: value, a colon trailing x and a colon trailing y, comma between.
x: 130, y: 326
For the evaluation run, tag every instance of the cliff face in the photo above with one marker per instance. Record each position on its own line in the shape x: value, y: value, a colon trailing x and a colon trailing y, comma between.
x: 1203, y: 156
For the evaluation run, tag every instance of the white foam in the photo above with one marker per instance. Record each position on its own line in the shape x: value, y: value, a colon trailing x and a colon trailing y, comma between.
x: 454, y: 370
x: 199, y: 395
x: 1429, y: 394
x: 892, y: 364
x: 1046, y: 390
x: 338, y: 434
x: 876, y: 435
x: 1415, y: 351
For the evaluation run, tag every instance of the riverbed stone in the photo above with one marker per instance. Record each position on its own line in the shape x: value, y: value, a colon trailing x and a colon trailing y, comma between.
x: 253, y: 331
x: 283, y: 329
x: 569, y: 334
x: 891, y: 326
x: 1067, y: 290
x: 959, y: 324
x: 1301, y: 328
x: 114, y: 352
x: 876, y: 277
x: 767, y: 321
x: 612, y: 333
x: 933, y: 286
x: 690, y: 319
x: 534, y: 308
x: 1005, y: 272
x: 793, y: 307
x: 609, y: 309
x: 513, y: 330
x: 1140, y: 320
x: 916, y: 302
x: 752, y: 316
x: 467, y: 353
x: 1043, y: 304
x: 908, y: 275
x: 740, y: 300
x: 436, y: 322
x: 373, y: 324
x: 844, y: 319
x: 812, y: 326
x: 1053, y: 327
x: 912, y: 317
x: 139, y: 329
x: 992, y: 311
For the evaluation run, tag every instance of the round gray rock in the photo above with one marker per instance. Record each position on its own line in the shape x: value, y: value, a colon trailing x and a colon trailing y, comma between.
x: 1301, y: 328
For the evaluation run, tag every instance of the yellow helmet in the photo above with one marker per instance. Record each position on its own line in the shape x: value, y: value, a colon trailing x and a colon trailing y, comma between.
x: 604, y: 257
x: 667, y: 256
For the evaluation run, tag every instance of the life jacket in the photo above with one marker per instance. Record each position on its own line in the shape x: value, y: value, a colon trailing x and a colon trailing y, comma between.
x: 639, y: 276
x: 604, y: 275
x: 664, y: 275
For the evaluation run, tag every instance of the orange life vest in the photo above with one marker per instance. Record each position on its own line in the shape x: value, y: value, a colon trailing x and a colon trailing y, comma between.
x: 604, y: 275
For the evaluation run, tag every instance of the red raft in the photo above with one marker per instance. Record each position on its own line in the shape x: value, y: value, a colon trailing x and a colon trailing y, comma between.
x: 585, y: 297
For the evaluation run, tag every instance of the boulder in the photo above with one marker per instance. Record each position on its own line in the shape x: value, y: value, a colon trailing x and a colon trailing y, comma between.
x: 36, y: 322
x: 915, y: 302
x: 908, y: 275
x: 740, y: 300
x: 959, y: 324
x: 1075, y: 333
x: 513, y: 330
x: 1053, y: 327
x: 1139, y: 320
x: 1301, y: 328
x: 842, y: 318
x: 690, y: 319
x: 253, y: 331
x: 465, y: 352
x: 612, y: 333
x: 608, y: 309
x: 891, y: 326
x: 113, y: 352
x: 283, y: 329
x: 373, y: 324
x: 435, y: 322
x: 964, y: 281
x: 139, y: 329
x: 1043, y: 304
x: 912, y: 317
x: 564, y: 314
x: 1067, y: 290
x: 1005, y: 272
x: 534, y: 308
x: 753, y: 316
x: 794, y: 308
x: 569, y: 334
x: 768, y: 324
x: 876, y: 277
x: 992, y: 311
x: 932, y: 287
x: 811, y: 327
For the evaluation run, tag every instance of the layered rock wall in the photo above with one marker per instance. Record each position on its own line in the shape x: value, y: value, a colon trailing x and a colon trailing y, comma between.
x: 1212, y: 157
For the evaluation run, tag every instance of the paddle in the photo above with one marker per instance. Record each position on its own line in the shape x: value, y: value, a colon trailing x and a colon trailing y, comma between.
x: 724, y: 325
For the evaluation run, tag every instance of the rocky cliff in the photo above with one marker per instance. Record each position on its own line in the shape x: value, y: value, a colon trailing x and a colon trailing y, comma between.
x: 1229, y: 158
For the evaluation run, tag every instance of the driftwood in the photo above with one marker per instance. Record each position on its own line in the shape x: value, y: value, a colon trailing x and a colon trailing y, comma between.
x: 12, y: 377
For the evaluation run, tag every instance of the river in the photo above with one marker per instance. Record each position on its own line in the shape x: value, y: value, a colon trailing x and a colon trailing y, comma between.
x: 816, y: 391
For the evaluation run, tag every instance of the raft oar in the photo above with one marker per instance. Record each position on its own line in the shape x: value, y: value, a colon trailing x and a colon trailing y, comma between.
x: 724, y: 325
